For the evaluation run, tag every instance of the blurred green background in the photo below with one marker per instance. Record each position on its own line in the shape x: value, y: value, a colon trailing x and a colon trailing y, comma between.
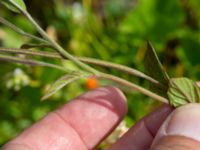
x: 112, y: 30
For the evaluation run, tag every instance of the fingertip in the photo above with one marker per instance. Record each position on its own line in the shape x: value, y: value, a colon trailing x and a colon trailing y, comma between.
x: 115, y: 97
x: 97, y: 113
x: 183, y: 121
x: 119, y: 100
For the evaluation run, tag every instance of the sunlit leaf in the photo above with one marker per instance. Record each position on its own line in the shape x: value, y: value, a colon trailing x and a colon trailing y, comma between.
x: 155, y: 70
x: 60, y: 83
x: 9, y: 5
x: 182, y: 91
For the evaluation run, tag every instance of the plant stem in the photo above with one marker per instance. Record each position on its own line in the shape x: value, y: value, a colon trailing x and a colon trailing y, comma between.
x: 20, y: 31
x: 133, y: 86
x: 31, y: 62
x: 86, y: 60
x: 119, y: 67
x: 101, y: 75
x: 56, y: 46
x: 84, y: 66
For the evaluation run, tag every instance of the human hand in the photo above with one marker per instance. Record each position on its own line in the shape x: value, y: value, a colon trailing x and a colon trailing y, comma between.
x: 87, y: 120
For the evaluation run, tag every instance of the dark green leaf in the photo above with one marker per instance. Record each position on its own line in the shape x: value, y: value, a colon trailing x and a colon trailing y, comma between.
x: 60, y: 83
x: 155, y: 70
x: 182, y: 91
x: 9, y: 5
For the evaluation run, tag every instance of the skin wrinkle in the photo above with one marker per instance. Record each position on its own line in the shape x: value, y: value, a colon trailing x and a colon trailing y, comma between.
x: 154, y: 117
x: 163, y: 128
x: 68, y: 123
x: 176, y: 143
x: 15, y: 144
x: 193, y: 117
x: 20, y: 144
x: 148, y: 129
x: 144, y: 126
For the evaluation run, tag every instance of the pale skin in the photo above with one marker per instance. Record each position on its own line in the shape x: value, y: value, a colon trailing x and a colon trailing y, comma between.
x: 84, y: 122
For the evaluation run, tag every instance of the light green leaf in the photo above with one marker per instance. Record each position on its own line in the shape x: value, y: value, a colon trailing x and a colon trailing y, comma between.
x: 182, y: 91
x: 9, y: 5
x: 62, y: 82
x: 155, y: 70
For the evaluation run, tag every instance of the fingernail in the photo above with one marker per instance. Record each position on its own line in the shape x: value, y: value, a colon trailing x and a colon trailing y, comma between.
x: 184, y: 121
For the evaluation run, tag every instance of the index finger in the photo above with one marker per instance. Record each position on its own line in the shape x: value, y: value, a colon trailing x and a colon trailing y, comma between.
x: 78, y: 125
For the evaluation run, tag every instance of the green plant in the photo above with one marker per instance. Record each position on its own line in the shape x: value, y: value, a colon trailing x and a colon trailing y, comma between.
x: 179, y: 91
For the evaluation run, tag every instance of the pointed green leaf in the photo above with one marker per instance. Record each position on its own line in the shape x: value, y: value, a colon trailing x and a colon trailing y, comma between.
x: 9, y: 5
x: 60, y: 83
x: 155, y: 70
x: 182, y: 91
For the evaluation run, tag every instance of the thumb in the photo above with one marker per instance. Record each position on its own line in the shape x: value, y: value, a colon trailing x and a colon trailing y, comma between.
x: 180, y: 131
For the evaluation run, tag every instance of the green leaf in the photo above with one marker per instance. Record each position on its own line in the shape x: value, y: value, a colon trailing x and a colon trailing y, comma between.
x: 155, y: 70
x: 182, y: 91
x: 62, y: 82
x: 10, y: 5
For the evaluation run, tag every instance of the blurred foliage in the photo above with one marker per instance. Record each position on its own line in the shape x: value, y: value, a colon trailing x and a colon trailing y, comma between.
x: 110, y: 30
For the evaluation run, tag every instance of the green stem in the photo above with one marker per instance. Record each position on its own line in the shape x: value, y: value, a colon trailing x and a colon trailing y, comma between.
x: 20, y: 31
x: 65, y: 54
x: 101, y: 75
x: 52, y: 42
x: 133, y: 86
x: 86, y: 60
x: 31, y: 62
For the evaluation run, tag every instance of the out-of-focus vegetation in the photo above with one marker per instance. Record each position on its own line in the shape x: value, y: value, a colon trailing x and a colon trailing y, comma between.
x: 112, y: 30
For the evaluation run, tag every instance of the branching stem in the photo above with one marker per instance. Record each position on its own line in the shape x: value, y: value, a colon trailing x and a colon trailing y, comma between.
x: 54, y: 44
x: 84, y: 59
x: 79, y: 61
x: 31, y: 62
x: 20, y: 31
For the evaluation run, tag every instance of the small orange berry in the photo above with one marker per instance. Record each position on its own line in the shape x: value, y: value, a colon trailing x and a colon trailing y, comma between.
x: 91, y: 83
